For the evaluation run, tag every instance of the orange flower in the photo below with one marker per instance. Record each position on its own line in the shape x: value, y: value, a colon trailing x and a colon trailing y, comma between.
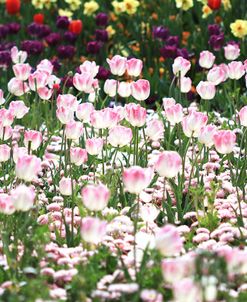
x: 172, y: 18
x: 161, y: 59
x: 75, y: 27
x: 38, y: 18
x: 13, y: 6
x: 218, y: 19
x: 154, y: 16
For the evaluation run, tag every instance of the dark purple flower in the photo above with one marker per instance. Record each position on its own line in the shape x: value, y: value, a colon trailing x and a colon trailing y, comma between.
x: 216, y: 41
x: 4, y: 30
x: 172, y: 41
x: 68, y: 81
x: 93, y: 47
x: 103, y: 73
x: 101, y: 19
x: 101, y: 35
x: 183, y: 52
x: 53, y: 39
x: 7, y: 45
x: 38, y: 30
x: 70, y: 37
x: 5, y: 58
x: 161, y: 32
x: 168, y: 51
x: 56, y: 64
x: 65, y: 51
x: 62, y: 22
x: 233, y: 43
x: 32, y: 47
x: 14, y: 27
x: 214, y: 29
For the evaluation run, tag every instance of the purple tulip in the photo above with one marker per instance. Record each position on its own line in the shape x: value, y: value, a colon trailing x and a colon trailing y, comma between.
x: 168, y: 51
x: 93, y: 47
x: 53, y: 39
x: 70, y: 37
x: 103, y: 73
x: 161, y: 32
x: 101, y: 19
x: 101, y: 35
x: 216, y: 41
x: 62, y: 22
x: 66, y: 51
x: 32, y: 47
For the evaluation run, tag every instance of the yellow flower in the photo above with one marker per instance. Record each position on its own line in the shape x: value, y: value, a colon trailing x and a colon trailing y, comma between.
x: 110, y: 30
x: 227, y: 4
x: 184, y: 4
x: 239, y: 28
x: 65, y: 13
x: 131, y: 6
x: 203, y: 1
x: 90, y: 7
x: 119, y: 7
x: 40, y: 4
x: 73, y: 4
x: 206, y: 11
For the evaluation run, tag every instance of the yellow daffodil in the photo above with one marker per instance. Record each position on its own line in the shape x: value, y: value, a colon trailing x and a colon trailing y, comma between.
x: 111, y: 31
x: 90, y: 7
x: 227, y: 4
x: 131, y: 6
x: 119, y: 7
x: 73, y: 4
x: 184, y: 4
x: 206, y: 11
x: 40, y: 4
x: 65, y: 13
x: 239, y: 28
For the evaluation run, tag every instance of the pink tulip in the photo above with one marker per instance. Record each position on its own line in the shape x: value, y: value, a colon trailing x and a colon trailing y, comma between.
x: 45, y: 93
x: 149, y: 212
x: 93, y: 230
x: 19, y: 152
x: 78, y: 156
x: 206, y: 90
x: 23, y: 198
x: 167, y: 102
x: 168, y: 164
x: 33, y: 139
x: 236, y: 70
x: 120, y: 136
x: 136, y: 179
x: 206, y: 59
x: 18, y: 109
x: 232, y: 51
x: 117, y: 65
x: 89, y: 67
x: 180, y: 66
x: 187, y: 290
x: 110, y: 87
x: 84, y: 111
x: 94, y: 146
x: 193, y: 123
x: 4, y: 153
x: 134, y: 67
x: 65, y: 115
x: 124, y: 89
x: 17, y: 87
x: 6, y: 204
x: 174, y: 114
x: 37, y: 80
x: 6, y: 117
x: 224, y: 141
x: 155, y: 130
x: 46, y: 66
x: 28, y: 167
x: 22, y: 71
x: 176, y: 269
x: 243, y: 116
x: 5, y: 132
x: 65, y: 186
x: 225, y: 69
x: 105, y: 118
x: 83, y: 82
x: 168, y: 241
x: 95, y: 197
x: 185, y: 85
x: 135, y: 114
x: 18, y: 56
x: 73, y: 130
x: 2, y: 99
x: 216, y: 75
x: 67, y: 101
x: 140, y: 89
x: 206, y: 135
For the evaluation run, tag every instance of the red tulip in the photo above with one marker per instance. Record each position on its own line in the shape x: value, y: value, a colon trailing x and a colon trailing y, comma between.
x: 75, y: 26
x: 38, y: 18
x: 214, y: 4
x: 13, y: 6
